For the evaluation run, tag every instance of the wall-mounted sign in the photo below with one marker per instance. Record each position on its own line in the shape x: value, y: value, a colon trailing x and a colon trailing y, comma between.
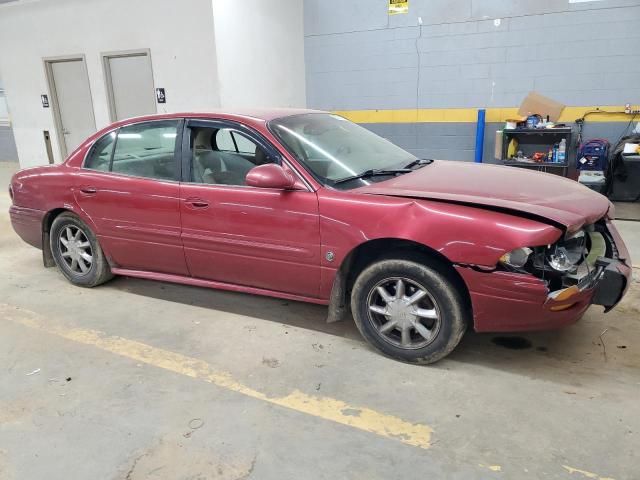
x: 160, y: 96
x: 45, y: 101
x: 398, y: 6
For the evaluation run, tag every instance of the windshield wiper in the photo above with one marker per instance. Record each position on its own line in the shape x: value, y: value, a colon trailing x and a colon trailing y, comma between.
x: 373, y: 173
x: 419, y: 162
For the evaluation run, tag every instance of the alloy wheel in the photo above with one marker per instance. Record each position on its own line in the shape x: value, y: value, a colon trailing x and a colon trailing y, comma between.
x: 404, y: 313
x: 75, y: 249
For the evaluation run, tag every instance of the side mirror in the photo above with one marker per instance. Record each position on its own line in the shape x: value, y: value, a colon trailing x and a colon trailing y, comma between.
x: 270, y: 175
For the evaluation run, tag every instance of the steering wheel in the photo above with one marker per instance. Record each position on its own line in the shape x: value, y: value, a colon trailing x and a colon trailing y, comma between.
x: 343, y: 150
x: 298, y: 148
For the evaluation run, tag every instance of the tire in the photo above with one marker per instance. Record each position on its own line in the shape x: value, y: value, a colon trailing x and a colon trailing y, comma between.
x: 77, y: 252
x: 430, y: 307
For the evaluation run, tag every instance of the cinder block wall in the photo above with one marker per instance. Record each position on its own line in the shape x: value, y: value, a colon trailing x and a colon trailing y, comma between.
x: 469, y: 54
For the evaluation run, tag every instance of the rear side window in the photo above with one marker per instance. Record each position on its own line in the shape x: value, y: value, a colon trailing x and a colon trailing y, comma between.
x: 100, y: 155
x: 146, y: 150
x: 140, y: 150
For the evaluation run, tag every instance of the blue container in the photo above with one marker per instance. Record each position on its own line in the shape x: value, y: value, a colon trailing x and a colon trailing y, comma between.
x: 533, y: 121
x: 480, y: 136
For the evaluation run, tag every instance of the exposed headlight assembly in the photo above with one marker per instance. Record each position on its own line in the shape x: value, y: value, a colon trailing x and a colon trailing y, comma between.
x: 562, y: 257
x: 516, y: 258
x: 567, y: 254
x: 561, y: 260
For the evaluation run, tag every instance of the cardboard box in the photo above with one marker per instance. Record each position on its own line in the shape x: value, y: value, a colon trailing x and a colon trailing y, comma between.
x: 534, y: 103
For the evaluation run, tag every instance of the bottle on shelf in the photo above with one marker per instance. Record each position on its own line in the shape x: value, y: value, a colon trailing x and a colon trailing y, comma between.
x: 562, y: 151
x: 556, y: 147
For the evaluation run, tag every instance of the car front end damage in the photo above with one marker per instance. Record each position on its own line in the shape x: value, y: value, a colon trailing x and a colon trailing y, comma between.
x: 550, y: 286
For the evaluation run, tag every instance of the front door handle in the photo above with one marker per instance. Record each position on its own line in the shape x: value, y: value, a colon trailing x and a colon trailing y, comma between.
x: 89, y: 190
x: 197, y: 203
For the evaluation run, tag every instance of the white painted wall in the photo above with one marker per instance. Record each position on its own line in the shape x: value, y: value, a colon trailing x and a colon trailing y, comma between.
x: 205, y: 53
x: 260, y: 52
x: 178, y: 33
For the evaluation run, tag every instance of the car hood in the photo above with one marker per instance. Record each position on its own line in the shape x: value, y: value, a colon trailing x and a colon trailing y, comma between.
x: 552, y: 197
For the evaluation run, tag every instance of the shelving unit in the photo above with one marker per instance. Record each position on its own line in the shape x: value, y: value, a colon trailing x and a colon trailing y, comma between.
x: 533, y: 140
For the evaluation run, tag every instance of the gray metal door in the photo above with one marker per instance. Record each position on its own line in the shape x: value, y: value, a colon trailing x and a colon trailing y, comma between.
x: 73, y: 108
x: 129, y: 84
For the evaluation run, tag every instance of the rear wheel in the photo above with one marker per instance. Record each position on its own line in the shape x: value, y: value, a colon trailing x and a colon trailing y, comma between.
x: 77, y: 252
x: 408, y: 310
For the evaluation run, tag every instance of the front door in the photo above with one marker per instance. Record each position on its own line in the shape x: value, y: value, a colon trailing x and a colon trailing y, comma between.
x: 129, y: 188
x: 71, y: 101
x: 233, y: 233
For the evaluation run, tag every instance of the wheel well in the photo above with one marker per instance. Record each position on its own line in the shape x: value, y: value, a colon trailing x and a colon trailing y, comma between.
x: 50, y: 216
x: 384, y: 248
x: 47, y: 221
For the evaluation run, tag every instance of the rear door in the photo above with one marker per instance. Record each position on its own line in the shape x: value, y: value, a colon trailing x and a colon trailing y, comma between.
x: 233, y: 233
x: 129, y: 187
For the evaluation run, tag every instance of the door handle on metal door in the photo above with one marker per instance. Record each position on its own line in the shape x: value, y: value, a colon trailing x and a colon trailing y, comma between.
x: 197, y: 203
x: 89, y: 190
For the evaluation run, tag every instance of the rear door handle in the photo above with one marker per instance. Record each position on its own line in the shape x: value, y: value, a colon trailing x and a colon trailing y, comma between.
x: 197, y: 203
x: 89, y: 190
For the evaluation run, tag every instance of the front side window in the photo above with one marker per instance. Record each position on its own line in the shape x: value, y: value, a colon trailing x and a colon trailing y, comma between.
x: 224, y: 140
x: 223, y: 156
x: 334, y: 148
x: 146, y: 150
x: 229, y: 140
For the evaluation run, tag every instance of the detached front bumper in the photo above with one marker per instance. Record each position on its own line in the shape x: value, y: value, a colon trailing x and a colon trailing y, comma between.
x: 613, y: 283
x: 511, y: 302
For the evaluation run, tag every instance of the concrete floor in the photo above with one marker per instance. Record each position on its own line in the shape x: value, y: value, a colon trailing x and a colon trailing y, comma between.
x: 189, y: 383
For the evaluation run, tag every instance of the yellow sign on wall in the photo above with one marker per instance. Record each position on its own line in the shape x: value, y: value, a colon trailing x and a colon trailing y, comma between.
x: 398, y: 6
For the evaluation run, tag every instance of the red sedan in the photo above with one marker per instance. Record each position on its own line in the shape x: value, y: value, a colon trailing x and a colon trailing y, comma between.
x: 308, y: 206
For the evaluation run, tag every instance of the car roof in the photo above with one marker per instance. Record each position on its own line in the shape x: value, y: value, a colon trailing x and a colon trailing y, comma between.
x: 251, y: 116
x: 247, y: 114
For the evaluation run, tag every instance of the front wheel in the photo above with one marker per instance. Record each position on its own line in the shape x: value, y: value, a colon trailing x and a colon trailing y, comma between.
x: 408, y: 310
x: 77, y: 252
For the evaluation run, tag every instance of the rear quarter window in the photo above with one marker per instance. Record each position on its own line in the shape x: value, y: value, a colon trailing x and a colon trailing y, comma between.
x: 100, y: 154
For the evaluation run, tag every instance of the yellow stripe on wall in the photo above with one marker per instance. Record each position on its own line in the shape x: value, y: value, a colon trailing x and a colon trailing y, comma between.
x: 469, y: 115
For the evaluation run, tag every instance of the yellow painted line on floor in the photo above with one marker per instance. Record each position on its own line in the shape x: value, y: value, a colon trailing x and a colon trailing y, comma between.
x: 327, y: 408
x: 493, y: 468
x: 470, y: 115
x: 585, y: 473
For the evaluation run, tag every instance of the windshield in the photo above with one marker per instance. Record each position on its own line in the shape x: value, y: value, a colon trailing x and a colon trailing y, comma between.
x: 334, y: 148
